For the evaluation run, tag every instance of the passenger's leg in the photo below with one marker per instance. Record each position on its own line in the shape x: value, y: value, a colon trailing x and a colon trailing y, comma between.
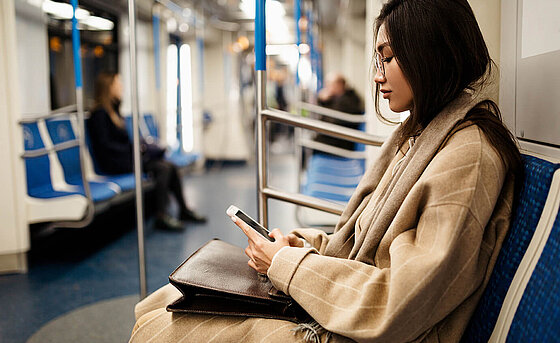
x: 162, y: 326
x: 155, y: 324
x: 159, y: 299
x: 162, y: 171
x: 176, y: 188
x: 162, y: 174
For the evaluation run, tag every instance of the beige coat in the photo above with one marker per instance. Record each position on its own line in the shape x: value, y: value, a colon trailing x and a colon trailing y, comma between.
x: 410, y: 257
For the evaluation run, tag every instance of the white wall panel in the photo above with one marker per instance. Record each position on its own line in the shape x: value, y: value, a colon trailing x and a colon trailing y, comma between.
x: 14, y: 234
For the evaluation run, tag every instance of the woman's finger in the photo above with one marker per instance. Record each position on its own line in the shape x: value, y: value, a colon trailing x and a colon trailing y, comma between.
x: 249, y: 232
x: 252, y: 264
x: 276, y: 234
x: 294, y: 240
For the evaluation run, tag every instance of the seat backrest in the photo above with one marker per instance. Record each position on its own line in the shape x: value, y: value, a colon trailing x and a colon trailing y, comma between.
x: 61, y: 131
x: 128, y: 125
x: 37, y: 169
x: 537, y: 317
x: 361, y: 146
x: 96, y: 168
x: 528, y: 210
x: 152, y: 125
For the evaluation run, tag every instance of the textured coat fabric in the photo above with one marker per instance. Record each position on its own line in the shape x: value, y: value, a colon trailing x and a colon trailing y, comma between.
x: 411, y: 254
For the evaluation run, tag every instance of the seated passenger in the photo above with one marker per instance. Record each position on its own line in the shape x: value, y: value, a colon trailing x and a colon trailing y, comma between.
x: 338, y: 96
x: 416, y: 244
x: 112, y: 150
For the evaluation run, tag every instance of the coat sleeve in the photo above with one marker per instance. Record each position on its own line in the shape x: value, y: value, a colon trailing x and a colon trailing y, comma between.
x: 318, y: 239
x: 434, y: 264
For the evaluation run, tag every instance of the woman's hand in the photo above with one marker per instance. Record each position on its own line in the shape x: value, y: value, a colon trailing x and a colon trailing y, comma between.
x: 260, y: 250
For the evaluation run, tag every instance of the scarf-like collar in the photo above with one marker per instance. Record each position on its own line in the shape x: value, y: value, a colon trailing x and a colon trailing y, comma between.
x: 344, y: 244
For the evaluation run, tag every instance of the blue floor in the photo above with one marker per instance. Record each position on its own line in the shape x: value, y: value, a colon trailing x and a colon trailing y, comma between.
x: 74, y: 268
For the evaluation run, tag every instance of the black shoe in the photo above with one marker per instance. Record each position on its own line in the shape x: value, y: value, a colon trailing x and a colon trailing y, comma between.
x: 166, y: 222
x: 192, y: 216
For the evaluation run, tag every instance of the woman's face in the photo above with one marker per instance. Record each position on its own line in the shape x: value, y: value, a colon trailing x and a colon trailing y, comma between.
x: 116, y: 88
x: 393, y: 84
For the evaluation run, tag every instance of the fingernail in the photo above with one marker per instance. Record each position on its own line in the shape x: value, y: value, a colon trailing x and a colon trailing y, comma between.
x: 233, y: 219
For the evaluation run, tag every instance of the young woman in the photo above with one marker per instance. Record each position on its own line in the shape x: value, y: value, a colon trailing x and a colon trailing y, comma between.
x: 416, y: 244
x: 112, y: 151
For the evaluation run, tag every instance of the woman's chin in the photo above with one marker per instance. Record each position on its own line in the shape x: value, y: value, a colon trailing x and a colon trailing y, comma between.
x: 396, y: 108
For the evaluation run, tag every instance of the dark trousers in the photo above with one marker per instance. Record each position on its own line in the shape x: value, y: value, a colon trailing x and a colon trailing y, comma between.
x: 167, y: 181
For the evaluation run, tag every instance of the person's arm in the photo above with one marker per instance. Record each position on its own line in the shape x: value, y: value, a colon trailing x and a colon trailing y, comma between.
x: 435, y: 263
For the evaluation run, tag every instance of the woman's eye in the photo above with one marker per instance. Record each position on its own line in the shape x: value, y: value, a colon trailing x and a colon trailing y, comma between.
x: 388, y: 59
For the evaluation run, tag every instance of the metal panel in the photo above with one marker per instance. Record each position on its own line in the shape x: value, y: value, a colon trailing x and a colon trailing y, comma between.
x: 538, y: 80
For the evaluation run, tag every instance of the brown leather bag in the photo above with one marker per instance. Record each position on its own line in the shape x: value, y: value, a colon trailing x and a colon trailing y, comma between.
x: 217, y: 280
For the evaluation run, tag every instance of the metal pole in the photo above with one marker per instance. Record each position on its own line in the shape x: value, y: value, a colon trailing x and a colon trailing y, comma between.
x: 136, y: 135
x: 80, y: 107
x: 262, y: 175
x: 260, y: 67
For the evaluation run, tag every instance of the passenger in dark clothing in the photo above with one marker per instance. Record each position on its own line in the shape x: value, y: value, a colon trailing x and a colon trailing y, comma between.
x: 338, y: 96
x: 112, y: 150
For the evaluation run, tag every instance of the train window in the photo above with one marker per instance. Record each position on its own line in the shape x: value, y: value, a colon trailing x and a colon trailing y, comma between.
x: 179, y: 109
x: 99, y: 50
x: 172, y: 86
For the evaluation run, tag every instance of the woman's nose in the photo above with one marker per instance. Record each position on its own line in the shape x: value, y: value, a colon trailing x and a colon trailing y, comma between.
x: 379, y: 77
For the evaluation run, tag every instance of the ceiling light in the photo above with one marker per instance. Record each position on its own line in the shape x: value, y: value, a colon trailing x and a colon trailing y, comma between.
x: 98, y: 23
x: 63, y: 11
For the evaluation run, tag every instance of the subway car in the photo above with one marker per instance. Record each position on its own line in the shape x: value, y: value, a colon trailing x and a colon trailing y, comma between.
x: 151, y: 148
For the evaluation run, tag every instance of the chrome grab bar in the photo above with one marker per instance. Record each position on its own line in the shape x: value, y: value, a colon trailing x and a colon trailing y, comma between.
x: 351, y: 118
x: 266, y: 114
x: 63, y: 111
x: 55, y: 147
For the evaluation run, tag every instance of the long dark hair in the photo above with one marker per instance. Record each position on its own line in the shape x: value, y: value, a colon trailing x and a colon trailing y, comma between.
x: 441, y: 52
x: 102, y: 96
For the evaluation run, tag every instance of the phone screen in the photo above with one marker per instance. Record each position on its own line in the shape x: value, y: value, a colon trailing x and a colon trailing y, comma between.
x: 252, y: 223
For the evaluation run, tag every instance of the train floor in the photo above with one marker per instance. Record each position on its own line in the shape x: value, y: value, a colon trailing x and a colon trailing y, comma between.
x: 82, y: 284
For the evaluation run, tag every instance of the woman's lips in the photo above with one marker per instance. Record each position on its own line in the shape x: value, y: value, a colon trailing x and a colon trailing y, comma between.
x: 386, y: 94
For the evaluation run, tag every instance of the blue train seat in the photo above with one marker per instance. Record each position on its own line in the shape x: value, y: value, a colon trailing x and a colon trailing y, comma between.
x: 45, y: 202
x: 151, y: 125
x: 176, y: 156
x: 60, y: 131
x: 538, y: 312
x: 527, y: 217
x: 38, y: 169
x: 332, y: 177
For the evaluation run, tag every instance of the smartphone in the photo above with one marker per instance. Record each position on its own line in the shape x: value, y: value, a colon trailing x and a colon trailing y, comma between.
x: 234, y: 211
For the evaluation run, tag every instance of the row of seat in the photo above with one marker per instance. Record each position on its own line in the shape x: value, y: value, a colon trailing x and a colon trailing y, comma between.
x: 55, y: 182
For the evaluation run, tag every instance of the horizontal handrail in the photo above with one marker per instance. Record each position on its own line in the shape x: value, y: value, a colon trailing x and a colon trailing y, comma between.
x: 328, y: 112
x: 334, y: 150
x: 56, y: 147
x: 70, y: 109
x: 322, y: 127
x: 304, y: 200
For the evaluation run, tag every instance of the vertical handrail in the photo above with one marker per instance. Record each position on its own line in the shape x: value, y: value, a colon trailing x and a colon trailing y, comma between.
x: 80, y: 108
x: 260, y: 67
x: 297, y: 17
x: 136, y: 145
